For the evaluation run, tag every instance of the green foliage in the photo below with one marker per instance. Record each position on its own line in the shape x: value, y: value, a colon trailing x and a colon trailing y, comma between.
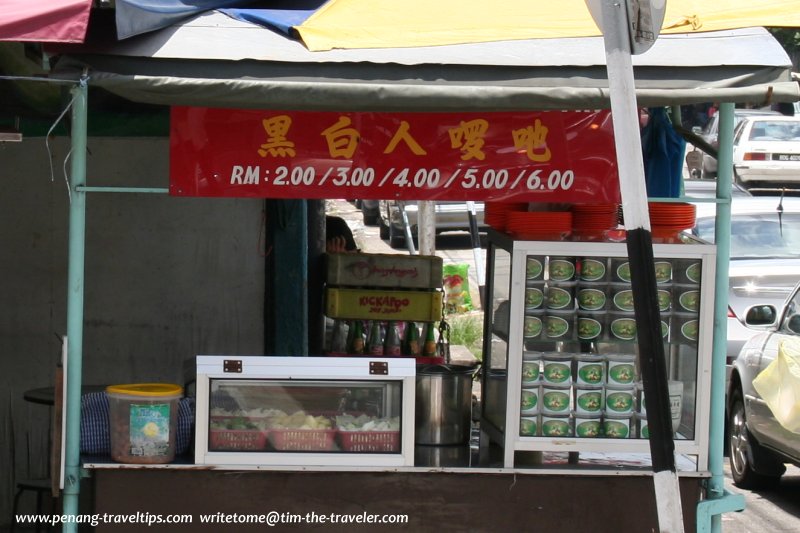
x: 467, y: 329
x: 789, y: 39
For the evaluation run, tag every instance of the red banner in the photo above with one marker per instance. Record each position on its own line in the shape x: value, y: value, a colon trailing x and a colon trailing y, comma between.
x: 553, y: 156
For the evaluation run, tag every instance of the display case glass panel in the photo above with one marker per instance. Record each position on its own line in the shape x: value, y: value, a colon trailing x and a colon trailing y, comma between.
x: 310, y: 416
x: 572, y: 358
x: 336, y: 411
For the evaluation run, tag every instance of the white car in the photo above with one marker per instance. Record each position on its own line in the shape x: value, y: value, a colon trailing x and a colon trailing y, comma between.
x: 766, y: 152
x: 450, y: 216
x: 710, y: 134
x: 759, y: 444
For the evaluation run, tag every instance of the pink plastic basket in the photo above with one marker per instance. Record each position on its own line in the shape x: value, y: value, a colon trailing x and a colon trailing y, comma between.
x: 237, y: 440
x: 305, y: 440
x: 370, y: 441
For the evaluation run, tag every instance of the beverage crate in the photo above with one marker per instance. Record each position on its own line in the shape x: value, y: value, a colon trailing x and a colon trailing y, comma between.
x: 376, y: 304
x: 384, y: 270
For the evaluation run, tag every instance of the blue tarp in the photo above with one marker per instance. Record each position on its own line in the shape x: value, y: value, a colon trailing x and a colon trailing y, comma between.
x: 134, y: 17
x: 282, y: 17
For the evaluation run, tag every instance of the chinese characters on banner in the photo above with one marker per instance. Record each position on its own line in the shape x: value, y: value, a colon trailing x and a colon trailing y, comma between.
x: 553, y: 156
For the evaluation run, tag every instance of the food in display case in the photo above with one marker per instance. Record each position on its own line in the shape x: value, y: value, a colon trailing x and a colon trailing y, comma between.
x: 289, y: 410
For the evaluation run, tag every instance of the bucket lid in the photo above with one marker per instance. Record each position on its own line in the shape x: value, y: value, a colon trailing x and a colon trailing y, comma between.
x: 146, y: 389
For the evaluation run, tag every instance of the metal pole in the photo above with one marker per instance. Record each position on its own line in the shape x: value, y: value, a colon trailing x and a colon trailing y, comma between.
x: 476, y: 250
x: 616, y: 37
x: 426, y: 227
x: 722, y: 238
x: 407, y: 227
x: 75, y: 282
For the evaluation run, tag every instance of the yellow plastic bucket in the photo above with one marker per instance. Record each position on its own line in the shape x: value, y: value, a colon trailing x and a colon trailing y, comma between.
x: 143, y: 420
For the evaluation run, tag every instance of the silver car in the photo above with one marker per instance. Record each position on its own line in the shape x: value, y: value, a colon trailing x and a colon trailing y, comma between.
x: 764, y: 256
x: 450, y: 216
x: 759, y: 444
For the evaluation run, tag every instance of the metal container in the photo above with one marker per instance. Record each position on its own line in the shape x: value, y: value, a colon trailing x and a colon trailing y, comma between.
x: 444, y: 404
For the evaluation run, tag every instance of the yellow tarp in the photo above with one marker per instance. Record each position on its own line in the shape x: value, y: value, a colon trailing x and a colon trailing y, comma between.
x: 409, y: 23
x: 779, y: 385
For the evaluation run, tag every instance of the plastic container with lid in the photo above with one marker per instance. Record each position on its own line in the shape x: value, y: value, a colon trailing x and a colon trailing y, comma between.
x: 591, y: 325
x: 616, y: 426
x: 592, y: 296
x: 561, y: 295
x: 588, y: 426
x: 556, y: 368
x: 559, y: 325
x: 590, y: 369
x: 621, y: 369
x: 561, y: 269
x: 589, y: 400
x: 593, y: 269
x: 143, y: 421
x: 556, y: 400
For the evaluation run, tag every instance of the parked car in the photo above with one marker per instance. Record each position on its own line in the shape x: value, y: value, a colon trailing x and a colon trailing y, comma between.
x: 766, y: 152
x: 710, y: 134
x: 759, y: 444
x: 450, y: 216
x: 764, y: 256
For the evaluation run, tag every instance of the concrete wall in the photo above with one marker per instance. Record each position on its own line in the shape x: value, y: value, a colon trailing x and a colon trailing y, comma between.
x: 166, y: 278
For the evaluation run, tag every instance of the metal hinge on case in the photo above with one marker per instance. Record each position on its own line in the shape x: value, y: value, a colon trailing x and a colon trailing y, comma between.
x: 380, y: 368
x: 232, y: 366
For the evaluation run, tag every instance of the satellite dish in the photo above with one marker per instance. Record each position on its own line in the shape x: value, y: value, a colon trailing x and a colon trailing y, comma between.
x: 645, y: 18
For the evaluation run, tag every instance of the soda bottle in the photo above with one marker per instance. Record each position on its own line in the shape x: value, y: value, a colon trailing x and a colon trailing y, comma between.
x: 375, y: 339
x: 411, y: 346
x: 429, y: 348
x: 339, y: 337
x: 357, y: 342
x: 391, y: 347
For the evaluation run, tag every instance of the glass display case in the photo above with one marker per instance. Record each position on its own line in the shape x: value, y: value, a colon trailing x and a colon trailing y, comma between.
x: 561, y: 365
x: 263, y: 410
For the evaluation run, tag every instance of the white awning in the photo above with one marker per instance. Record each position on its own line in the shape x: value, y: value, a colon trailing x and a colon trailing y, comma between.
x: 213, y: 60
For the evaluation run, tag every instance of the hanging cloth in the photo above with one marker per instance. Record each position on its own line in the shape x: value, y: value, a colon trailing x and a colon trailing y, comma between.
x: 662, y: 153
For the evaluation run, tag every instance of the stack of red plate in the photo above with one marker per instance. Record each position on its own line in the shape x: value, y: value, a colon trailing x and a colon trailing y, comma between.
x: 539, y: 225
x: 495, y: 214
x: 669, y: 219
x: 594, y: 219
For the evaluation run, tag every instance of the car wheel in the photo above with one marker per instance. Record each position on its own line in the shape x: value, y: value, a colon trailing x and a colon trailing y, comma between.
x: 371, y: 215
x: 383, y: 228
x: 746, y: 454
x: 397, y: 238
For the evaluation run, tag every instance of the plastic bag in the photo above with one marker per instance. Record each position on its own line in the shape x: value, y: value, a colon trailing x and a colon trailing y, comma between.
x: 779, y: 385
x: 456, y: 288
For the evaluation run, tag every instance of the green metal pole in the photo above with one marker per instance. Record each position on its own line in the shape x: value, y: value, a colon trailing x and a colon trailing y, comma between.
x: 718, y: 499
x: 75, y: 276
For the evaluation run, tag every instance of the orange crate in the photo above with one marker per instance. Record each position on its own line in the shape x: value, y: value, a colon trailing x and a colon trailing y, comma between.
x: 237, y: 440
x: 370, y: 441
x: 303, y: 440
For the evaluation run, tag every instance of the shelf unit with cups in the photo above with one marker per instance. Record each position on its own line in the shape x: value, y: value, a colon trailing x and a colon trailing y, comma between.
x: 561, y: 370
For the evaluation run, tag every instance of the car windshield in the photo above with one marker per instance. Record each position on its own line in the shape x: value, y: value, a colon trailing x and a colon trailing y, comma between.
x: 766, y: 130
x: 759, y: 235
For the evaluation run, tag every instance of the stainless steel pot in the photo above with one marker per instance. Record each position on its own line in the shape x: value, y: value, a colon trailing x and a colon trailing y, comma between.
x: 444, y: 404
